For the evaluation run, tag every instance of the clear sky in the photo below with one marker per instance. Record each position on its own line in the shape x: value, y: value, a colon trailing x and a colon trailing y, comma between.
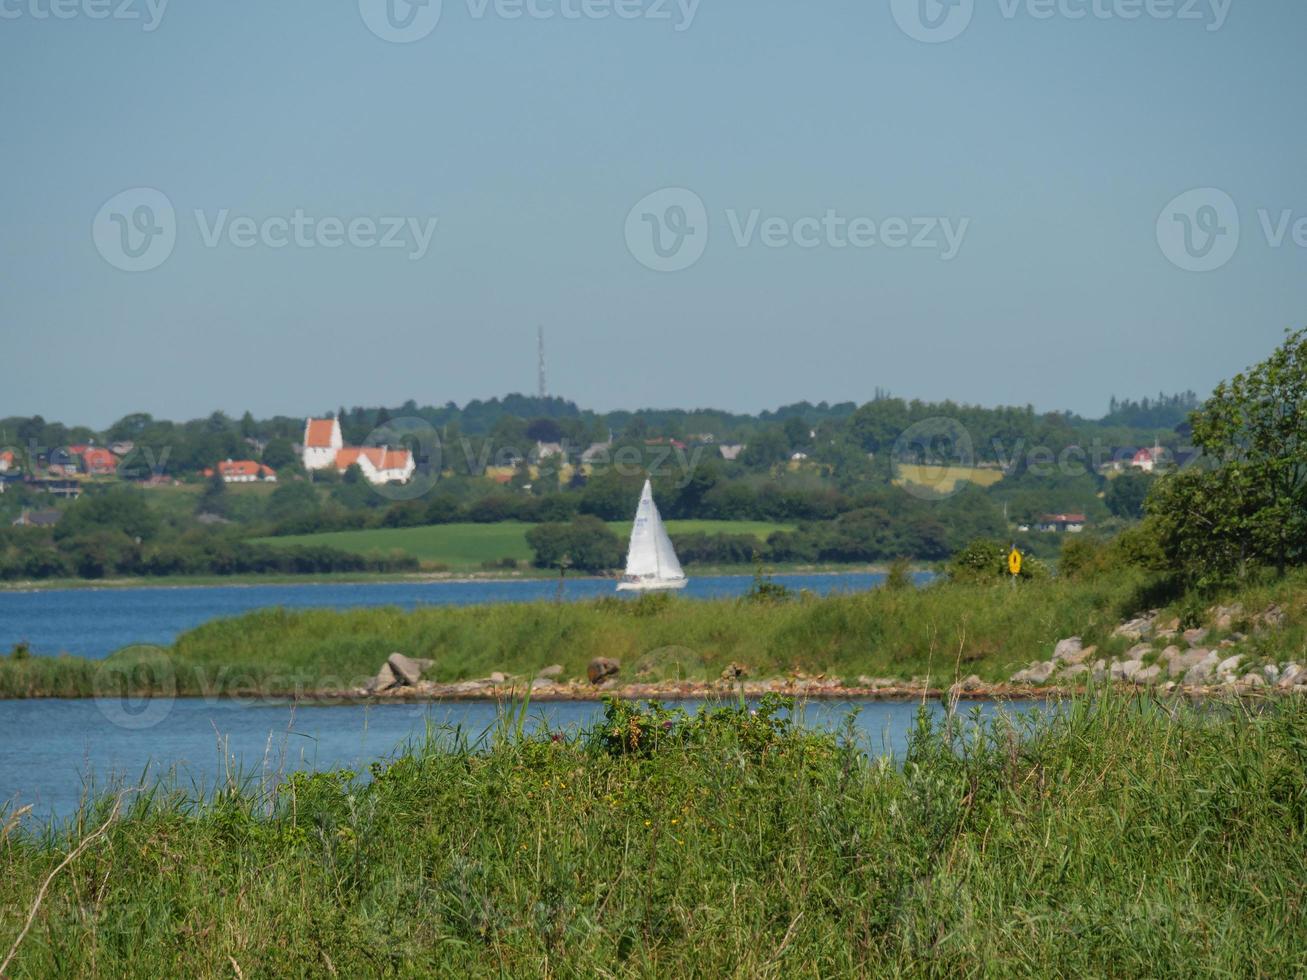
x: 1050, y: 144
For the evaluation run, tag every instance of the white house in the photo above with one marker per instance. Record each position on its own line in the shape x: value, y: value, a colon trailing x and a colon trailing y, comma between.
x: 380, y: 464
x: 244, y: 471
x: 730, y: 451
x: 322, y: 441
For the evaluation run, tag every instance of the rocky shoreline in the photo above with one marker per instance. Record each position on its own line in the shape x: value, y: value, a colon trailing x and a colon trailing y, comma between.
x: 1201, y: 662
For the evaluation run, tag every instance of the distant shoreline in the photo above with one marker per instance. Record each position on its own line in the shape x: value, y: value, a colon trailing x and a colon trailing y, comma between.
x: 402, y: 578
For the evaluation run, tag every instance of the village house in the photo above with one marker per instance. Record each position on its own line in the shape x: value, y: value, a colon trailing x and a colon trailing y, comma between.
x: 1059, y: 523
x: 244, y: 471
x: 97, y: 461
x: 38, y: 518
x: 6, y: 461
x: 324, y: 448
x: 380, y: 464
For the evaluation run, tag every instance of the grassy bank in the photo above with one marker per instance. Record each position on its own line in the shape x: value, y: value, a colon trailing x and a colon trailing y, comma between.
x: 1118, y: 838
x: 945, y: 629
x: 467, y: 546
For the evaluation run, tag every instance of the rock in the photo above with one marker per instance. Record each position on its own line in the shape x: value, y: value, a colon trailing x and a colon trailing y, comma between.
x: 498, y: 677
x: 601, y: 668
x: 1201, y: 673
x: 1223, y: 617
x: 551, y: 672
x: 1179, y: 666
x: 865, y: 681
x: 1195, y: 636
x: 1169, y: 686
x: 1036, y: 673
x: 1074, y: 671
x: 1100, y: 671
x: 1069, y: 651
x: 1169, y: 654
x: 1125, y: 670
x: 734, y: 672
x: 384, y: 680
x: 1135, y: 629
x: 1228, y: 666
x: 971, y: 684
x: 543, y: 684
x: 1251, y: 680
x: 1272, y: 618
x: 1272, y: 673
x: 1291, y: 675
x: 407, y: 670
x: 1169, y: 628
x: 1138, y: 651
x: 1147, y: 675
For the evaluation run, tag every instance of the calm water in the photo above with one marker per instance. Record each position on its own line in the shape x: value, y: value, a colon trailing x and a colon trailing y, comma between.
x: 95, y: 622
x: 51, y: 752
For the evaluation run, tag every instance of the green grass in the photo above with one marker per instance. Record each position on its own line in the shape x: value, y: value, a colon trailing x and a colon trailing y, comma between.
x: 1117, y: 838
x: 989, y: 630
x: 467, y: 546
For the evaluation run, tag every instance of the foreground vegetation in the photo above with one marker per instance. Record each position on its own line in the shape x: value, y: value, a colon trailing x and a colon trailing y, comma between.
x: 1116, y: 836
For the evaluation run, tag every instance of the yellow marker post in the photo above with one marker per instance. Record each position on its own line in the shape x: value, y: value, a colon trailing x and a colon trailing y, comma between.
x: 1014, y: 563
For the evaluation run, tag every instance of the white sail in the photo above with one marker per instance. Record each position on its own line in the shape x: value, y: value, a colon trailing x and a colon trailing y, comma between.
x: 651, y: 561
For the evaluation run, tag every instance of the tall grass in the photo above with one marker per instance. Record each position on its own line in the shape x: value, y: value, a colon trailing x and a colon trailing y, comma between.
x: 1114, y: 837
x: 943, y: 629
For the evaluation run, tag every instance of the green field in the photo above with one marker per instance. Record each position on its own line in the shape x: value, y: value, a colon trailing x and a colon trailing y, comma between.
x: 467, y: 546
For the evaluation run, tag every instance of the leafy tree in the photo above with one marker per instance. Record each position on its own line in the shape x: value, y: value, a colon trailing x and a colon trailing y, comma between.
x: 586, y: 544
x: 1251, y: 509
x: 280, y: 454
x: 123, y: 510
x: 1126, y: 494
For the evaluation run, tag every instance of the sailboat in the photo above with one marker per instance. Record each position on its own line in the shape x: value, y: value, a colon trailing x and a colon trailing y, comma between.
x: 651, y: 562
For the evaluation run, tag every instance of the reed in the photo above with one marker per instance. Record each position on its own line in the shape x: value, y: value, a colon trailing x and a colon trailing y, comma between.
x: 1114, y: 836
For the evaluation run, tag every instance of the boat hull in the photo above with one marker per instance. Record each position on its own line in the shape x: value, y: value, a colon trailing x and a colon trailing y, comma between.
x: 653, y: 585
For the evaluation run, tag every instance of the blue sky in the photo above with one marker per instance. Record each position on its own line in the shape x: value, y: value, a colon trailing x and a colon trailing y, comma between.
x: 1050, y: 144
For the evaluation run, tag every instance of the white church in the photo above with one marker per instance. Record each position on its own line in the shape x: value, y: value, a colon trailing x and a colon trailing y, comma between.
x: 324, y: 448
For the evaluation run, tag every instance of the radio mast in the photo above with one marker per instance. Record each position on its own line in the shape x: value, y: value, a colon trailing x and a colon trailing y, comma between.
x: 540, y: 338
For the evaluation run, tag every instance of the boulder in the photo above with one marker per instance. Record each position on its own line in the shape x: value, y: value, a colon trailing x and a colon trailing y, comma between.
x: 1223, y: 617
x: 1100, y: 671
x: 1147, y: 675
x: 384, y: 680
x: 971, y: 684
x: 1125, y: 670
x: 1228, y: 666
x: 407, y: 669
x: 1169, y: 654
x: 1291, y: 675
x: 543, y: 684
x: 1135, y: 629
x: 1179, y: 666
x: 1252, y: 680
x: 1075, y: 670
x: 1272, y: 618
x: 1069, y: 651
x: 1195, y: 637
x: 553, y: 671
x: 498, y: 677
x: 1036, y: 673
x: 1272, y: 673
x: 601, y: 668
x: 1201, y: 673
x: 1138, y: 651
x: 734, y: 672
